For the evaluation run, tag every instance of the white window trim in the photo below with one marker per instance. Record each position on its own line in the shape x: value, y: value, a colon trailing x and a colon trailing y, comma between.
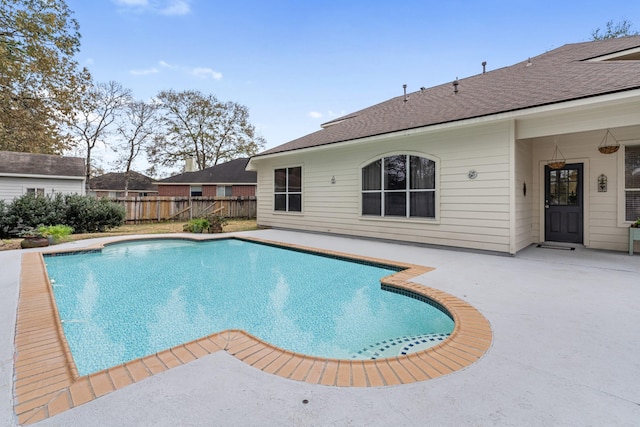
x: 287, y: 192
x: 437, y: 189
x: 621, y: 208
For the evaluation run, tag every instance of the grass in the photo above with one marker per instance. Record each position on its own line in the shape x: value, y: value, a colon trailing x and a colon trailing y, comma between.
x: 150, y: 228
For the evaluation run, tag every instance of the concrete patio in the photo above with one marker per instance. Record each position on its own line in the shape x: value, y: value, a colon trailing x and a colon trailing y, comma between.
x: 566, y: 351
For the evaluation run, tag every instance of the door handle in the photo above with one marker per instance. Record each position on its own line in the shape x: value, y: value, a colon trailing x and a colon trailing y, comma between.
x: 546, y: 204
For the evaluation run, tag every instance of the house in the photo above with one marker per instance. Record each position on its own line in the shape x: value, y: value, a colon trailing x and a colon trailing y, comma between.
x: 228, y: 179
x: 112, y: 185
x: 497, y: 161
x: 40, y: 174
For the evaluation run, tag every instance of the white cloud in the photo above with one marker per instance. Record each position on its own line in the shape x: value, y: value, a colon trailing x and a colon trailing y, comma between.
x: 132, y: 2
x: 144, y: 72
x: 329, y: 114
x: 176, y: 7
x: 199, y: 72
x: 161, y: 7
x: 206, y: 73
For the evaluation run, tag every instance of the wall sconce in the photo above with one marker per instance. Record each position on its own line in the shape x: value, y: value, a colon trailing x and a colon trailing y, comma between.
x: 472, y: 174
x: 333, y: 179
x: 602, y: 183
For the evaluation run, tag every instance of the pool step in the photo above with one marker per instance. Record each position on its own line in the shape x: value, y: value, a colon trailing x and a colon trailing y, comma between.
x: 398, y: 346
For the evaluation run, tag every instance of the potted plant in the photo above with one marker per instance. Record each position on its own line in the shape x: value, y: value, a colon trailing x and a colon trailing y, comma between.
x: 32, y: 238
x: 634, y: 234
x: 216, y: 222
x: 54, y: 233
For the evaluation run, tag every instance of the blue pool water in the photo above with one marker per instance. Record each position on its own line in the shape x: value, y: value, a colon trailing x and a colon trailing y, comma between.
x: 135, y: 299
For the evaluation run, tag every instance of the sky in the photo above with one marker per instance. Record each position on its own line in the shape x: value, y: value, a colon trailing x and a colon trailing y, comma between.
x: 298, y: 64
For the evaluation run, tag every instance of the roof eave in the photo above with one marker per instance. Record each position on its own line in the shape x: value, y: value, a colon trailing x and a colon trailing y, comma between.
x: 469, y: 121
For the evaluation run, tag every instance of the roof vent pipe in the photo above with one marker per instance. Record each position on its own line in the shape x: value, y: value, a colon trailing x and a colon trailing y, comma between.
x: 455, y: 85
x: 405, y: 93
x: 484, y: 67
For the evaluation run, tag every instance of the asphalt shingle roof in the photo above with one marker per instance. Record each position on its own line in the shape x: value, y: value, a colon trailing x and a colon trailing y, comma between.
x: 560, y: 75
x: 114, y: 181
x: 40, y: 164
x: 231, y: 172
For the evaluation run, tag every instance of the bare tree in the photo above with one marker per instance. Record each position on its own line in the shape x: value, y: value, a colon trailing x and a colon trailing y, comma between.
x: 136, y: 129
x: 97, y: 111
x: 201, y: 126
x: 620, y: 29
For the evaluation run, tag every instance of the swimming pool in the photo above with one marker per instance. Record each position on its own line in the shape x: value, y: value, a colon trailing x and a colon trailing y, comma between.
x: 137, y: 298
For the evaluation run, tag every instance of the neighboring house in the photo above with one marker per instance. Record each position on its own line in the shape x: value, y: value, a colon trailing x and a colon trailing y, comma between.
x: 465, y: 164
x: 112, y: 185
x: 228, y: 179
x: 41, y: 174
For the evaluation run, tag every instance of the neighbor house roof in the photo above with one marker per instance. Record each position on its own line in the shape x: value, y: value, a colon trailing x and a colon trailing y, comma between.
x: 571, y: 72
x: 231, y: 172
x: 21, y: 164
x: 114, y: 181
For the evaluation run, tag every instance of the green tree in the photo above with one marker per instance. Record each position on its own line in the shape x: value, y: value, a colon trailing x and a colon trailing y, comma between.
x: 201, y: 126
x: 614, y: 30
x: 94, y: 116
x: 39, y: 78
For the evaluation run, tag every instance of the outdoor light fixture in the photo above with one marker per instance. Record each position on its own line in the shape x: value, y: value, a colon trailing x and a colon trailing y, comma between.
x: 333, y: 179
x: 602, y: 183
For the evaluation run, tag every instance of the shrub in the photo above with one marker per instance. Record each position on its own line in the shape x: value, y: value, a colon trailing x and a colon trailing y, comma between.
x: 30, y: 210
x: 197, y: 225
x: 82, y: 213
x: 88, y: 215
x: 4, y: 223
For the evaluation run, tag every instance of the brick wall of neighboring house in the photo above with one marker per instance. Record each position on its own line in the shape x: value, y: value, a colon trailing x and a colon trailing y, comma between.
x: 174, y: 190
x: 244, y: 190
x: 209, y: 190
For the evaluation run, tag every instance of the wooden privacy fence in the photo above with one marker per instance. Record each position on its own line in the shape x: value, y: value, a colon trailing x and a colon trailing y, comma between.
x: 156, y: 208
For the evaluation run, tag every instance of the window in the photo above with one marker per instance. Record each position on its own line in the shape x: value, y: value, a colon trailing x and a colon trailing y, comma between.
x: 287, y: 186
x: 632, y: 182
x: 224, y: 191
x: 563, y: 187
x: 196, y: 191
x: 35, y: 191
x: 399, y: 186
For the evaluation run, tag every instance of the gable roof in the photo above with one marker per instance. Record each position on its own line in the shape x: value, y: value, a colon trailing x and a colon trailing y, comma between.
x: 22, y: 164
x: 231, y: 172
x: 114, y: 181
x: 563, y: 74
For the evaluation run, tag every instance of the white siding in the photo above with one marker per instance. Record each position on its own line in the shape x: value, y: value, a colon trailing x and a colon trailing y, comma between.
x: 472, y: 213
x: 524, y: 202
x: 12, y: 187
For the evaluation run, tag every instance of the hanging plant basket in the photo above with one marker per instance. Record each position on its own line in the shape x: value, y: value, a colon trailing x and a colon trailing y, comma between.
x: 608, y: 146
x: 557, y: 161
x: 556, y: 165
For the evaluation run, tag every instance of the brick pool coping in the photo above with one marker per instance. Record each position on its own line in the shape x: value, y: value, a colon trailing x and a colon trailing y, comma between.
x: 46, y: 381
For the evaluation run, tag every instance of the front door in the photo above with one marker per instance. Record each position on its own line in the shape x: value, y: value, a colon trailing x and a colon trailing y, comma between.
x: 563, y: 204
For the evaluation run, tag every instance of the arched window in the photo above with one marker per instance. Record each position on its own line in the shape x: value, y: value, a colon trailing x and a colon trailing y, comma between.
x: 399, y: 186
